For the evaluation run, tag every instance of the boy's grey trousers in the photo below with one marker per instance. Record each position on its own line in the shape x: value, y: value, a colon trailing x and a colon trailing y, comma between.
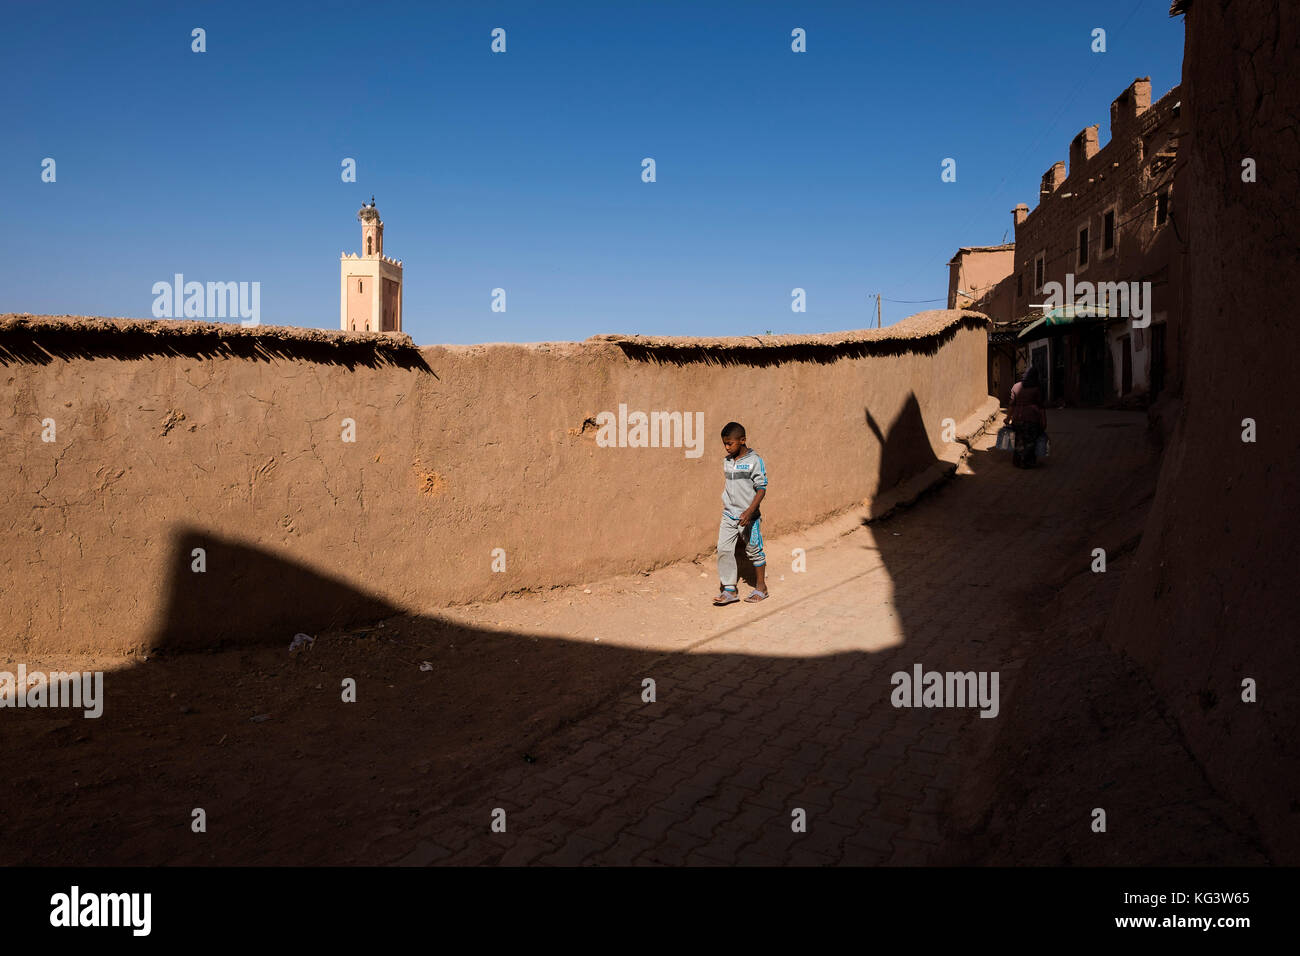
x: 728, y: 532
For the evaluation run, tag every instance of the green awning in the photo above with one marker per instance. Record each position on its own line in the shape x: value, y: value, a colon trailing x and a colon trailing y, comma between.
x: 1065, y: 315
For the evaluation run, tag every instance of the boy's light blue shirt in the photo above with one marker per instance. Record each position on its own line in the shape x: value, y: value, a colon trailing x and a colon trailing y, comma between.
x: 744, y: 477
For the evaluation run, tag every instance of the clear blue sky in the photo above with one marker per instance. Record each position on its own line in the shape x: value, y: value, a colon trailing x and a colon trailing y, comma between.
x: 523, y: 170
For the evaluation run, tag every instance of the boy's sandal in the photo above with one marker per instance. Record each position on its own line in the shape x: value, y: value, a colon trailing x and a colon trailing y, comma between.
x: 725, y: 597
x: 755, y: 596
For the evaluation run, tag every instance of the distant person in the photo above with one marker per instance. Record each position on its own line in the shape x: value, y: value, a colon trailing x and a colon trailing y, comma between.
x: 1027, y: 418
x: 742, y: 492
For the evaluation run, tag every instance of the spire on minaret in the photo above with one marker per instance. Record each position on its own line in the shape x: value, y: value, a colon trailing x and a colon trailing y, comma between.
x: 372, y: 230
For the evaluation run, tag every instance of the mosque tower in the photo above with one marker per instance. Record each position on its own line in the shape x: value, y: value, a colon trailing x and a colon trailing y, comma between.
x: 370, y: 292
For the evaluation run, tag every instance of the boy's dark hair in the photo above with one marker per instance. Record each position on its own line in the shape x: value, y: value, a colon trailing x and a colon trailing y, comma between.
x: 732, y: 428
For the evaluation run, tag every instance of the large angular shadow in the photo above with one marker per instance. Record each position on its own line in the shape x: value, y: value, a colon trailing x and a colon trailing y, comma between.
x: 450, y: 722
x: 221, y: 592
x: 905, y: 451
x: 992, y: 572
x: 219, y: 715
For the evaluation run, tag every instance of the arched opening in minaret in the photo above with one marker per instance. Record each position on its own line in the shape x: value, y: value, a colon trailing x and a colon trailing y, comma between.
x: 370, y: 245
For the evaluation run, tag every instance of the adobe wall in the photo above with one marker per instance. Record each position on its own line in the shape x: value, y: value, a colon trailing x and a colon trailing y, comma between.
x: 1212, y: 598
x: 177, y: 436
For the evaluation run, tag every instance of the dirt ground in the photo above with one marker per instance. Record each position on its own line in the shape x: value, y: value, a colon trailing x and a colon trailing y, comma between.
x: 537, y: 697
x: 298, y: 784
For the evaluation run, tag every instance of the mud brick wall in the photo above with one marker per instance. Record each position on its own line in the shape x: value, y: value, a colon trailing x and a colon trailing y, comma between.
x: 177, y: 436
x: 1212, y: 599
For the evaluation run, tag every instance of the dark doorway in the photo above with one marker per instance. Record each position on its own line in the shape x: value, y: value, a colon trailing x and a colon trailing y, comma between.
x: 1092, y: 366
x: 1126, y: 368
x: 1058, y: 369
x: 1157, y: 359
x: 1038, y: 357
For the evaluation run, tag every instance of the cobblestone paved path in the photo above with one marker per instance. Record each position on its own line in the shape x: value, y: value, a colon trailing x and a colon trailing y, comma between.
x: 785, y: 705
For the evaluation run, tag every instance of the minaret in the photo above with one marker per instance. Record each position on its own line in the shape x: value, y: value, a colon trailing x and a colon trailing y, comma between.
x: 370, y: 296
x: 372, y: 230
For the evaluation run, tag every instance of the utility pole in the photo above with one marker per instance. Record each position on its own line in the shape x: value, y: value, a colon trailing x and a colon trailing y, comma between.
x: 877, y: 310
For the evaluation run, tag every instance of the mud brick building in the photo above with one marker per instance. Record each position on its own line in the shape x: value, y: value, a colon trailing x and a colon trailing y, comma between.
x: 980, y: 278
x: 975, y: 274
x: 1111, y: 216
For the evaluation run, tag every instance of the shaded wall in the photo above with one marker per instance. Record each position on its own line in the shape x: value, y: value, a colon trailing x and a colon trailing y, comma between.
x: 172, y: 434
x: 1212, y: 599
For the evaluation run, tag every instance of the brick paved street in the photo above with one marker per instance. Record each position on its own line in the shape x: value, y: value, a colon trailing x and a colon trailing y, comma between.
x: 786, y: 704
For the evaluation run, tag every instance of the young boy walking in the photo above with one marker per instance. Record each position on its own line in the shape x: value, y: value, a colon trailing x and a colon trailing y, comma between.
x: 742, y: 492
